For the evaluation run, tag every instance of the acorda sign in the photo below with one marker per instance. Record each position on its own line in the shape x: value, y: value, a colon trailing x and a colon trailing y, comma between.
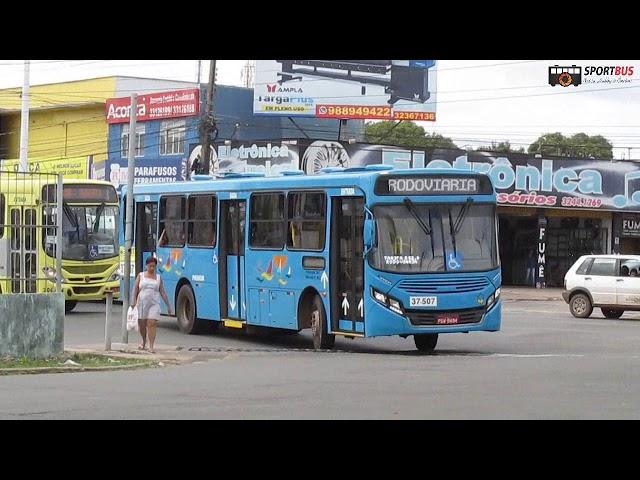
x: 155, y: 106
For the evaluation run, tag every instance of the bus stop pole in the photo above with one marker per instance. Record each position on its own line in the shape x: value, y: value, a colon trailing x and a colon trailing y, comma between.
x: 59, y: 213
x: 129, y: 217
x: 107, y: 327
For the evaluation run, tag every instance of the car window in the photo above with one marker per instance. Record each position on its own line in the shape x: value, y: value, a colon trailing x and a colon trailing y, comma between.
x: 629, y: 267
x: 582, y: 269
x: 603, y: 267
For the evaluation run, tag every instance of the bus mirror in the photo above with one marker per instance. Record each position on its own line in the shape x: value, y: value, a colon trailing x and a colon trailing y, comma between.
x: 369, y: 233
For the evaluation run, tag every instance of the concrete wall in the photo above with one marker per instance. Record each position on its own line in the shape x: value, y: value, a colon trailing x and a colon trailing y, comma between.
x: 31, y: 325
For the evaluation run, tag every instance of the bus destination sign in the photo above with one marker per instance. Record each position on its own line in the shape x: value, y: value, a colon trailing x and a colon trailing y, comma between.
x: 433, y: 185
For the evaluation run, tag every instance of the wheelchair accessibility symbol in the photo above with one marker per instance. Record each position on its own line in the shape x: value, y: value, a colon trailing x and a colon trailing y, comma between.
x: 93, y: 251
x: 454, y: 262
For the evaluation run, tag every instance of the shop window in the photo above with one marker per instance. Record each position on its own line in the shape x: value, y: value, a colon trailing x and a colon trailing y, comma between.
x: 124, y: 140
x: 172, y: 137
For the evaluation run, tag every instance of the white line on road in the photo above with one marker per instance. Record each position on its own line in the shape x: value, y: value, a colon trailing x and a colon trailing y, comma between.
x: 517, y: 355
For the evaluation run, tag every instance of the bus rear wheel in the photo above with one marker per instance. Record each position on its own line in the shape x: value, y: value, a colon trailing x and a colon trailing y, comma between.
x: 322, y: 339
x: 69, y: 305
x: 426, y: 342
x: 186, y: 312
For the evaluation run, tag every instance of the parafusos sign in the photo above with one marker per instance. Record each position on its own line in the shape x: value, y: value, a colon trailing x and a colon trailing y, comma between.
x: 154, y: 106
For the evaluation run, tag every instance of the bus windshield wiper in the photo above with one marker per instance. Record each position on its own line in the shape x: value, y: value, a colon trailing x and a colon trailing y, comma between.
x: 99, y: 212
x: 412, y: 210
x: 461, y: 215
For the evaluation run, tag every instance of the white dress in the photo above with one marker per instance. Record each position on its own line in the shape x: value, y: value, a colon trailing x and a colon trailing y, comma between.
x: 149, y: 297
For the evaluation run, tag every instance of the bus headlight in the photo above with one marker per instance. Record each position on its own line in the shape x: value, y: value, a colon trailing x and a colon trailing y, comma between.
x: 395, y: 305
x: 493, y: 298
x: 387, y: 301
x: 115, y: 277
x: 379, y: 296
x: 49, y: 273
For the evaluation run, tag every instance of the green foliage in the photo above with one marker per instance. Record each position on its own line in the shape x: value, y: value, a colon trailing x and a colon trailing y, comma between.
x: 406, y: 134
x: 579, y: 145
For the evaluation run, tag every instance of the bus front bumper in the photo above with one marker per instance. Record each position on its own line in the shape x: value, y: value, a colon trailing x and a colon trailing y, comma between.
x: 87, y: 292
x: 380, y: 321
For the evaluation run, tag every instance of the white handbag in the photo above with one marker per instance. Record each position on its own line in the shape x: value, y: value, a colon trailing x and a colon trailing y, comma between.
x: 132, y: 319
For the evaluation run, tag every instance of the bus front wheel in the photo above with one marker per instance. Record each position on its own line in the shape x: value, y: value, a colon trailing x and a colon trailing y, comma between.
x: 426, y: 342
x: 322, y: 339
x: 69, y: 305
x: 186, y: 312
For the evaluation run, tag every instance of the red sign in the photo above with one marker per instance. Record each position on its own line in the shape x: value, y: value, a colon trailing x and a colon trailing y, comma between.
x: 154, y: 106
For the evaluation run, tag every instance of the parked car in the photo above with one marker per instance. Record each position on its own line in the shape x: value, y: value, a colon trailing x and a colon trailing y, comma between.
x: 610, y: 282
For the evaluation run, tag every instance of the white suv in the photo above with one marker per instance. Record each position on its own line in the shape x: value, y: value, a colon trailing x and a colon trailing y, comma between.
x: 611, y: 282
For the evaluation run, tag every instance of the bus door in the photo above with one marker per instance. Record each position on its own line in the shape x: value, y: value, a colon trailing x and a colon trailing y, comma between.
x: 347, y: 265
x: 231, y: 259
x: 23, y: 249
x: 146, y: 221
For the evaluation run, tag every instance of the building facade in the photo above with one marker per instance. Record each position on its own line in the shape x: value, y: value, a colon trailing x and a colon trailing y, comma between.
x: 168, y: 143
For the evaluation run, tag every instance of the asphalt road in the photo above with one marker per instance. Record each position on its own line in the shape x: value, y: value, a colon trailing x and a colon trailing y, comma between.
x: 544, y: 364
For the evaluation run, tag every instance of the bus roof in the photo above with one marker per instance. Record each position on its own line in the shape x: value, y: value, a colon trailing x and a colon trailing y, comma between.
x: 16, y: 183
x: 349, y: 177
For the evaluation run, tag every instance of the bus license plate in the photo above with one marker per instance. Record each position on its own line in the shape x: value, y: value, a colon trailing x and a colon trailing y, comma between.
x: 447, y: 319
x: 423, y: 301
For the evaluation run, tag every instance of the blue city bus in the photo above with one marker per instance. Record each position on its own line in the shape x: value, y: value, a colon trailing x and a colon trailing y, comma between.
x: 355, y: 252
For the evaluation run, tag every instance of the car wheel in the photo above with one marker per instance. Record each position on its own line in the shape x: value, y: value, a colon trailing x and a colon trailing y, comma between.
x: 580, y: 306
x: 612, y: 312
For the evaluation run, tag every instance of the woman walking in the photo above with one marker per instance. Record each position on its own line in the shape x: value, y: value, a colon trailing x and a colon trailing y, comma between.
x: 146, y: 294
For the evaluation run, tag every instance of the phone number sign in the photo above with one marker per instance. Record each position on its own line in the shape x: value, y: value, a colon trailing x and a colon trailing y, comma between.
x: 153, y: 106
x: 382, y: 112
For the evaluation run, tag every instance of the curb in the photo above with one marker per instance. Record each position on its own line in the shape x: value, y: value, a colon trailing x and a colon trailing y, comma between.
x: 36, y: 370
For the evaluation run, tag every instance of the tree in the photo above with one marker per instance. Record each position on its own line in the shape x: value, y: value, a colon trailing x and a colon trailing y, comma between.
x: 501, y: 147
x: 579, y: 145
x: 406, y: 134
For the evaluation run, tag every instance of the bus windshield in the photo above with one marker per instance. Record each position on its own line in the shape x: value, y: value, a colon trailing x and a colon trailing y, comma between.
x: 419, y: 237
x: 88, y: 232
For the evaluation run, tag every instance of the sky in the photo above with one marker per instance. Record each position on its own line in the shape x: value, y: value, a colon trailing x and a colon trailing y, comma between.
x: 478, y: 101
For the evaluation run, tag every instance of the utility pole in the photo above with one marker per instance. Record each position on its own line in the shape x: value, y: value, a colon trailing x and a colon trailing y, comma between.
x: 208, y: 123
x: 24, y: 121
x: 199, y: 71
x: 129, y: 216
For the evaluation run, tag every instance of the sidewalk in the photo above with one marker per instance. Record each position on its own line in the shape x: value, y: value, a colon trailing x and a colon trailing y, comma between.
x: 166, y: 354
x: 527, y: 294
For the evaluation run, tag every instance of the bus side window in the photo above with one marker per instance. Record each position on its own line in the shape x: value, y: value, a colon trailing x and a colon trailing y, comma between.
x: 172, y: 221
x: 307, y: 220
x: 202, y: 221
x: 267, y: 222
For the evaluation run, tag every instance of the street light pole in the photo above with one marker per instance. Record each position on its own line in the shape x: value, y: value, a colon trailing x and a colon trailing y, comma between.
x: 129, y: 216
x: 24, y: 121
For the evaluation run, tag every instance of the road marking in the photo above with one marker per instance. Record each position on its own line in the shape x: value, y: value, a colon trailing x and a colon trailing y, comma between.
x: 542, y: 355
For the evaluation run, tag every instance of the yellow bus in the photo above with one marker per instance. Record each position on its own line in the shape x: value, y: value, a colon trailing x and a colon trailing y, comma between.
x: 90, y: 254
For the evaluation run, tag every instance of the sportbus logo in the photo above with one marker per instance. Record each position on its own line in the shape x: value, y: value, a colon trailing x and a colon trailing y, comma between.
x: 565, y: 76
